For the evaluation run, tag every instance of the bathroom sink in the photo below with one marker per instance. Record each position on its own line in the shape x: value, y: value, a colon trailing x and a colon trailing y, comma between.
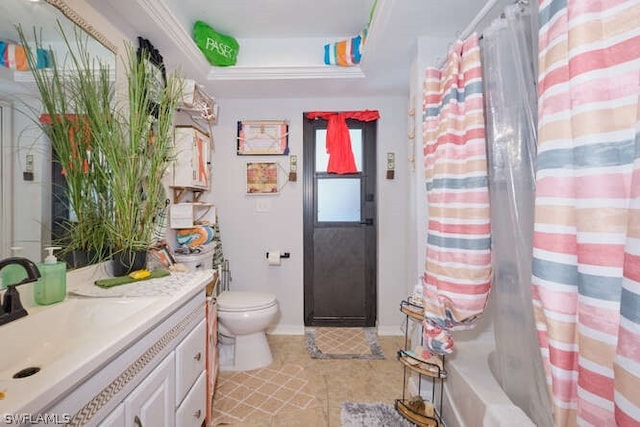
x: 50, y: 334
x: 56, y: 349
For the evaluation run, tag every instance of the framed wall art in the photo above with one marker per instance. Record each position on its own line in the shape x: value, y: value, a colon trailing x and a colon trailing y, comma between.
x: 262, y: 178
x: 263, y: 137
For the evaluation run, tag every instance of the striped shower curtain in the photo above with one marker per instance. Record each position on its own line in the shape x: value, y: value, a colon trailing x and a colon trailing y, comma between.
x: 586, y: 259
x: 457, y: 274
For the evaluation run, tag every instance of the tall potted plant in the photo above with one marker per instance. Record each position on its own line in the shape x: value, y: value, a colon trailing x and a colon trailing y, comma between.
x: 114, y: 156
x: 137, y: 149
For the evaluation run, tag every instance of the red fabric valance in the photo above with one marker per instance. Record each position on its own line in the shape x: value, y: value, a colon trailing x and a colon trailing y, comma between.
x: 341, y: 159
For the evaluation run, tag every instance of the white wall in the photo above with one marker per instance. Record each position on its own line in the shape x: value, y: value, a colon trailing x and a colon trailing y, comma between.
x: 430, y: 52
x: 247, y: 234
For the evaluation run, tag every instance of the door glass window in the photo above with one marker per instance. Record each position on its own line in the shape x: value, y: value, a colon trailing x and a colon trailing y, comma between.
x: 338, y: 200
x: 322, y: 158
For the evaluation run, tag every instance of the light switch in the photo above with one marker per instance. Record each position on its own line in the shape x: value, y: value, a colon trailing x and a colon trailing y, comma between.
x: 391, y: 165
x: 293, y: 168
x: 263, y: 204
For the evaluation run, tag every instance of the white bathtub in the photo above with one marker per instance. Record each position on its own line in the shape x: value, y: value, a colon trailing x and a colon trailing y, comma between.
x: 472, y: 396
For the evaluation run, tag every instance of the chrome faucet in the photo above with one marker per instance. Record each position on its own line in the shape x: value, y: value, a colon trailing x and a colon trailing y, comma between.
x: 11, y: 308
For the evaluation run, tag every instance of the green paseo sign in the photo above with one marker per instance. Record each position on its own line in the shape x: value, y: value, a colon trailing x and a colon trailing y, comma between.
x: 219, y: 49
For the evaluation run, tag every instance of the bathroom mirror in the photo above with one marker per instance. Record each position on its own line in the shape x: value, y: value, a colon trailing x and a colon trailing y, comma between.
x: 26, y: 200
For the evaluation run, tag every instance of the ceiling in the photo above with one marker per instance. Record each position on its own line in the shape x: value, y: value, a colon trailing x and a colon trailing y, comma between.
x: 281, y: 41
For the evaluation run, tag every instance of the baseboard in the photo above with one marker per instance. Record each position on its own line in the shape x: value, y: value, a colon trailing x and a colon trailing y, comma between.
x: 299, y: 330
x: 286, y: 330
x: 394, y: 331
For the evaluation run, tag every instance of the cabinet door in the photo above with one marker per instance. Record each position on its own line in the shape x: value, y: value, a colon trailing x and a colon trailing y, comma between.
x: 192, y: 410
x: 152, y: 403
x: 190, y: 360
x: 115, y: 418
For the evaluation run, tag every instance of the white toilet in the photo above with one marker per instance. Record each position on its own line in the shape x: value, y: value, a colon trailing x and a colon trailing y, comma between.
x: 243, y: 318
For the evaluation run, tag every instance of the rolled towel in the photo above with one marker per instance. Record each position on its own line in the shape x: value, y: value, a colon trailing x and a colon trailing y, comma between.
x: 345, y: 52
x: 197, y: 236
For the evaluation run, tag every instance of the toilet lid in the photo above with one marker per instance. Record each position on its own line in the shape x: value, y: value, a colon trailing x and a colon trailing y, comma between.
x: 243, y: 300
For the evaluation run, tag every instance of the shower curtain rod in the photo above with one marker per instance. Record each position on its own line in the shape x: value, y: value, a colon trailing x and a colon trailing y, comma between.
x: 488, y: 7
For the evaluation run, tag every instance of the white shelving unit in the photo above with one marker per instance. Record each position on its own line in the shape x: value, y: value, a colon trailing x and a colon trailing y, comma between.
x: 191, y: 169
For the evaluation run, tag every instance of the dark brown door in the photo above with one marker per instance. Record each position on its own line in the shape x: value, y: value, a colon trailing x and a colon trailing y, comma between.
x: 339, y: 231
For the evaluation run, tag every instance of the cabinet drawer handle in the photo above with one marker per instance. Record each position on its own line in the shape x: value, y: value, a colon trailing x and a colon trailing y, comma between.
x: 197, y: 413
x: 198, y: 356
x: 137, y: 422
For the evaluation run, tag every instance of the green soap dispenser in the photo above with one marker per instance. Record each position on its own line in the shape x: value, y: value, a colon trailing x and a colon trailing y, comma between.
x: 52, y: 286
x: 13, y: 273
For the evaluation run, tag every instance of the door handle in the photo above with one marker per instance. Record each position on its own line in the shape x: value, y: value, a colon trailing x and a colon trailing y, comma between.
x: 368, y: 221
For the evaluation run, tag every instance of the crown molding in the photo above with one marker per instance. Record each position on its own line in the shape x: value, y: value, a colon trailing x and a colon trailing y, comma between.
x: 379, y: 22
x: 158, y: 11
x: 284, y: 73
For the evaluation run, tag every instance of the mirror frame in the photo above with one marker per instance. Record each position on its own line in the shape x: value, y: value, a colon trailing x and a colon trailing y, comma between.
x: 72, y: 15
x: 82, y: 14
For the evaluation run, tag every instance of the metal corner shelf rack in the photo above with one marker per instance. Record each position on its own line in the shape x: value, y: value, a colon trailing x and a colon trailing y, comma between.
x: 416, y: 410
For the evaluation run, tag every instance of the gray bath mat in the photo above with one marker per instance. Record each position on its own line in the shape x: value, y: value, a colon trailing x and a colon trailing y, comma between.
x: 371, y: 415
x: 343, y: 343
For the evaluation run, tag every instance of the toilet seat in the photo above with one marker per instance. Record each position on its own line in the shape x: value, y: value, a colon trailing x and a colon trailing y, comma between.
x: 235, y: 301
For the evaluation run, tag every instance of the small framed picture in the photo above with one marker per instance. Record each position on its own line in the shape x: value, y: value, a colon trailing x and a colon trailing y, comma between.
x: 263, y: 137
x: 262, y: 178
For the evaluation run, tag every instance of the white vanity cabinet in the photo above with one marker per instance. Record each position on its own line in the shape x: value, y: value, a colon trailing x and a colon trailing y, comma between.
x: 115, y: 418
x: 158, y: 381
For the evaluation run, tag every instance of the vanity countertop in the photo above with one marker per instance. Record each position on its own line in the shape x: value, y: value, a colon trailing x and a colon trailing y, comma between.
x: 72, y: 340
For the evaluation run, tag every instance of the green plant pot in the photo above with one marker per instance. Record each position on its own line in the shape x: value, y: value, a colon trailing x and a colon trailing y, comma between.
x: 124, y: 262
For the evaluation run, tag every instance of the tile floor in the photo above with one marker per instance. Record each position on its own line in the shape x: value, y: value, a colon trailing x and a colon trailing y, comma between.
x: 309, y: 392
x: 342, y: 341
